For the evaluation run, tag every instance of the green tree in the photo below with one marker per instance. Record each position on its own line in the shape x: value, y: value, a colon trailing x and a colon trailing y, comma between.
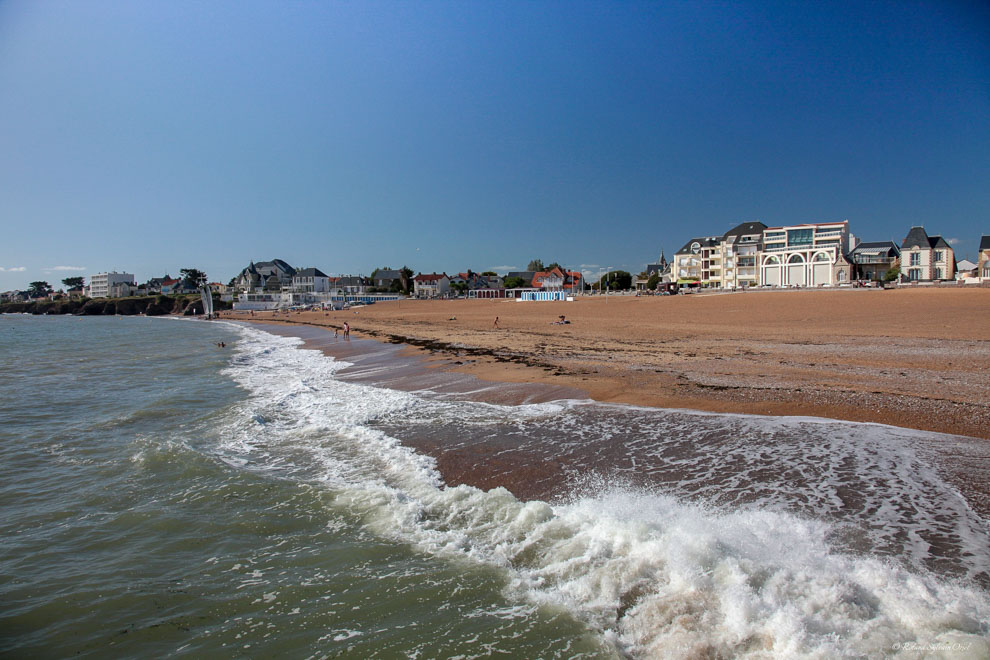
x: 192, y: 276
x: 617, y: 280
x: 73, y: 282
x: 514, y: 282
x: 553, y: 265
x: 490, y: 273
x: 653, y: 282
x: 39, y: 289
x: 535, y: 264
x: 406, y: 275
x: 892, y: 274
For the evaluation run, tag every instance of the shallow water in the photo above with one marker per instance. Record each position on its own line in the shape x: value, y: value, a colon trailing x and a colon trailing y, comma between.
x: 163, y: 496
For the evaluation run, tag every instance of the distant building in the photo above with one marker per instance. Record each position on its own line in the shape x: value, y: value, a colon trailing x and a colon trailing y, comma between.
x: 255, y: 278
x: 693, y: 262
x: 926, y: 258
x: 433, y: 285
x: 871, y: 261
x: 661, y: 269
x: 101, y: 285
x: 349, y: 285
x: 14, y: 296
x: 170, y: 286
x: 549, y: 280
x: 966, y: 270
x: 154, y: 285
x: 310, y: 280
x: 525, y: 275
x: 385, y: 278
x: 983, y: 260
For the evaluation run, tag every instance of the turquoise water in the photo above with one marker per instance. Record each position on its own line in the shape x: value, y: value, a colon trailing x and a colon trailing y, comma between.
x: 165, y: 497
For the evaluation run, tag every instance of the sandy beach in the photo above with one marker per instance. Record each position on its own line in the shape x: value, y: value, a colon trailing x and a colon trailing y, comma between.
x: 915, y: 358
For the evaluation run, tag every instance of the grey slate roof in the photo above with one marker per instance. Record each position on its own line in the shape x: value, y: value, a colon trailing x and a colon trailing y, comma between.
x: 887, y: 248
x: 938, y: 242
x: 984, y: 243
x: 746, y: 229
x: 708, y: 241
x: 267, y: 268
x: 310, y: 272
x: 916, y: 238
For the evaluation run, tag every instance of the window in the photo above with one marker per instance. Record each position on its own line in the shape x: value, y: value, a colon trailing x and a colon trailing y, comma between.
x: 915, y: 259
x: 914, y: 274
x: 938, y: 274
x: 938, y: 256
x: 800, y: 237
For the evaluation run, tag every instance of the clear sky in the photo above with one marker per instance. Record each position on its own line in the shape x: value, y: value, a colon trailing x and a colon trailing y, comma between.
x: 150, y: 136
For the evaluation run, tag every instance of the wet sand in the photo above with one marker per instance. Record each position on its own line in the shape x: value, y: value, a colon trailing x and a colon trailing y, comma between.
x: 533, y: 468
x: 916, y: 358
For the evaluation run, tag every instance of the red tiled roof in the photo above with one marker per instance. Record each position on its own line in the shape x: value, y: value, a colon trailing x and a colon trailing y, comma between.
x: 433, y: 277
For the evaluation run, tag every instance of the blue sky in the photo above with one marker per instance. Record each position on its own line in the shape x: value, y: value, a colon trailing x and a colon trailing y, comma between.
x: 150, y: 136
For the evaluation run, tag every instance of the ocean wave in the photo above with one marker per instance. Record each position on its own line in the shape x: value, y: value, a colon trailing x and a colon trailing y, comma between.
x: 656, y: 574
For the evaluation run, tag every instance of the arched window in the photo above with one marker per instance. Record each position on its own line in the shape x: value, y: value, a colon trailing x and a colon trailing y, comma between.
x: 822, y: 256
x: 771, y: 261
x: 796, y: 259
x: 841, y: 276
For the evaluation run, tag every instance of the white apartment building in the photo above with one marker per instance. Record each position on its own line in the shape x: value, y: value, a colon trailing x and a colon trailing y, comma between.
x: 729, y: 261
x: 102, y: 285
x: 805, y: 255
x: 734, y: 263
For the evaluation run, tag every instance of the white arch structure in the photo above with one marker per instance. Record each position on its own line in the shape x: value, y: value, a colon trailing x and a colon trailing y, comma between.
x: 805, y: 268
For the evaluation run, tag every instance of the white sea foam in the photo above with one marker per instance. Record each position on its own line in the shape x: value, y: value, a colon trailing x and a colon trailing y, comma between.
x: 657, y: 574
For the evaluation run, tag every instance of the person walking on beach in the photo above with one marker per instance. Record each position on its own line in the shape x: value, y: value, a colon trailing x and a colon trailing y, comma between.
x: 347, y: 329
x: 495, y: 326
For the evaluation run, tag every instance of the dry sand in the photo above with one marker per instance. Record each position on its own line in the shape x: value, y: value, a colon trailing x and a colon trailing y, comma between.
x: 917, y: 358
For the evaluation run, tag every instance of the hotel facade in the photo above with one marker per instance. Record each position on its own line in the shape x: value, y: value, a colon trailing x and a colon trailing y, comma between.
x: 805, y: 255
x: 752, y: 254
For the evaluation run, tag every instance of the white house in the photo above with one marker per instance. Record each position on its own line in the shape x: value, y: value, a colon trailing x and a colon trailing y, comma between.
x: 926, y: 258
x: 431, y: 286
x: 310, y: 280
x: 983, y: 260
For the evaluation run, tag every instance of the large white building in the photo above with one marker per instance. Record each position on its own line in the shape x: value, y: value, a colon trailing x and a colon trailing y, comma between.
x: 805, y: 255
x: 102, y: 285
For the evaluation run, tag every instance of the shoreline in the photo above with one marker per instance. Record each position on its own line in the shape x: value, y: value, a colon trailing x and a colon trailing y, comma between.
x: 926, y: 376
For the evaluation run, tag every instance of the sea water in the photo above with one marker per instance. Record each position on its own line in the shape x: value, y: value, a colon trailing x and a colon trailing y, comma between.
x: 162, y: 496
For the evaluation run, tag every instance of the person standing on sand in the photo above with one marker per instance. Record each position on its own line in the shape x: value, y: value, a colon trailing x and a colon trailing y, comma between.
x: 495, y: 326
x: 347, y: 329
